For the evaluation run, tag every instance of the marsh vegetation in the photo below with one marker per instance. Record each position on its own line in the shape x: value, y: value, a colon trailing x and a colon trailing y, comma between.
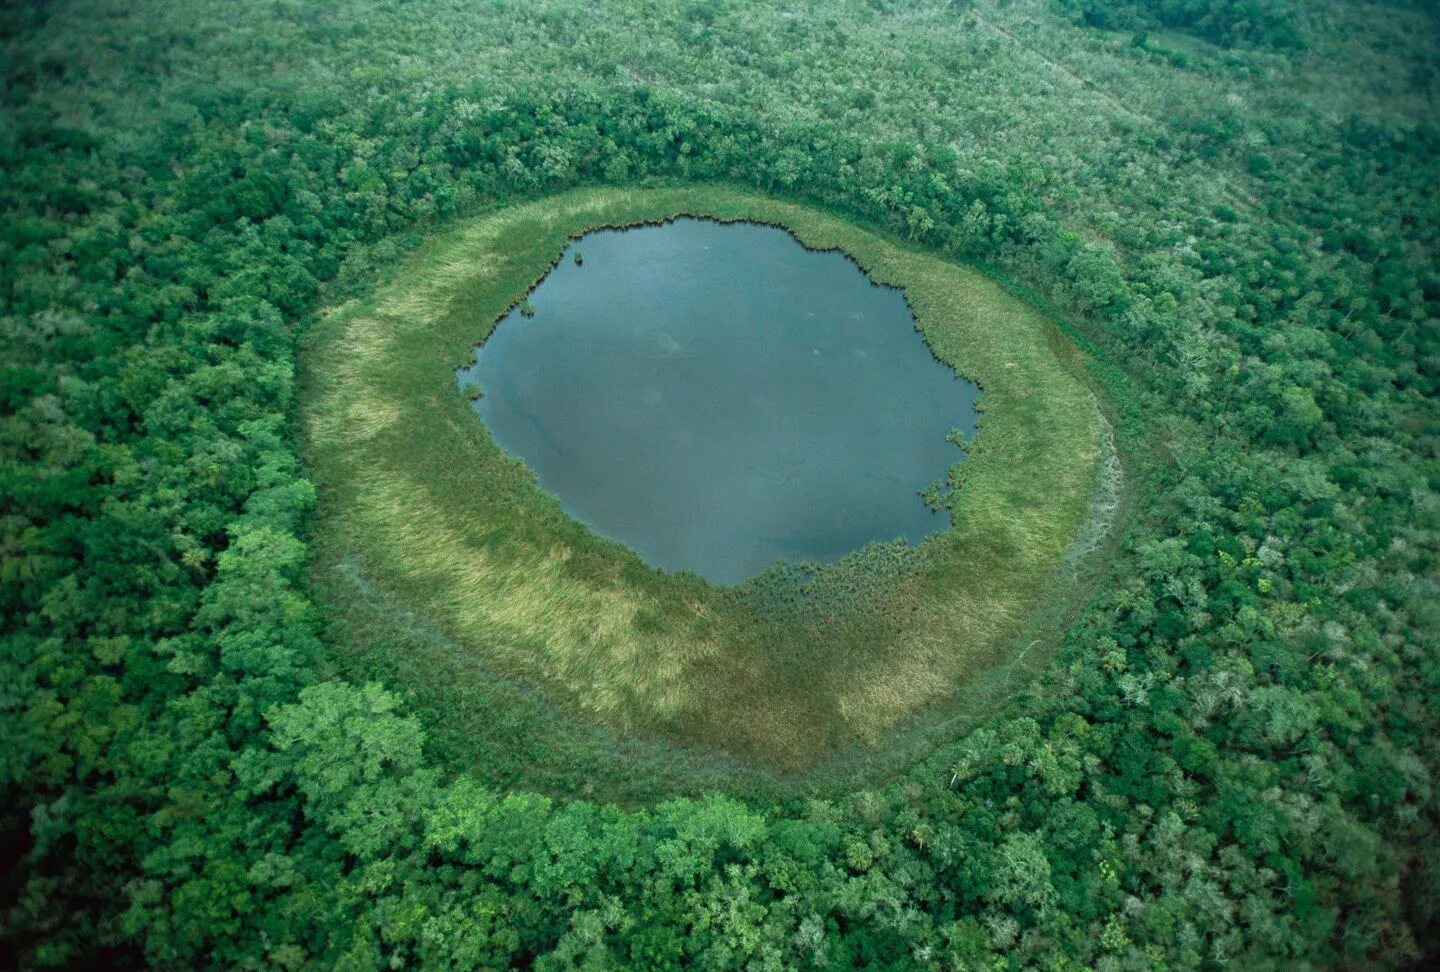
x: 795, y: 665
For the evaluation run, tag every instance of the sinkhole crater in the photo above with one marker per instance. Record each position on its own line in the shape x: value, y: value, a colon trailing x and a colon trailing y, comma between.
x: 481, y: 585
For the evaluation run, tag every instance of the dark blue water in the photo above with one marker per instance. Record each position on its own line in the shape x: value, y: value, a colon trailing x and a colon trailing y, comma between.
x: 718, y: 398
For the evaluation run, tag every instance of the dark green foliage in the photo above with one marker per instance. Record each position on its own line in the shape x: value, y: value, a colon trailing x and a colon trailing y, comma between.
x: 1232, y: 758
x: 1266, y: 23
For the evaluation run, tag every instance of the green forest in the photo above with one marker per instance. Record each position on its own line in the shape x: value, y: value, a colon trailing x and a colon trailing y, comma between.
x: 235, y: 737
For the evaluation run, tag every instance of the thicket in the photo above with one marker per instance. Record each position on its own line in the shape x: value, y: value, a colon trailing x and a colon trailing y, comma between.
x: 1233, y: 757
x: 1265, y: 23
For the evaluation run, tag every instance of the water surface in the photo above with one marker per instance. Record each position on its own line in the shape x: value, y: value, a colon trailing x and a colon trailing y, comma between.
x: 718, y: 398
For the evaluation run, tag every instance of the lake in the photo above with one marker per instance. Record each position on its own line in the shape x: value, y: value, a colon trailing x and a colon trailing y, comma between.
x: 718, y: 398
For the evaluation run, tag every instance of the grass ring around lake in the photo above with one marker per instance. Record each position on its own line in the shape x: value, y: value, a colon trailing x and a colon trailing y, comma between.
x: 446, y: 528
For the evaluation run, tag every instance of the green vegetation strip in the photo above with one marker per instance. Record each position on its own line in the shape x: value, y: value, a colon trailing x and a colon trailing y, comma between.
x: 447, y: 525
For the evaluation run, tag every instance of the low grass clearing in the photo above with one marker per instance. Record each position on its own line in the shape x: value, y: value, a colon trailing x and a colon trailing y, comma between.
x: 423, y: 517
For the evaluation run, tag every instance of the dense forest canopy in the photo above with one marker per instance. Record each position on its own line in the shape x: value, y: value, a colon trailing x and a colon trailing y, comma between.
x: 1231, y: 758
x: 1265, y: 23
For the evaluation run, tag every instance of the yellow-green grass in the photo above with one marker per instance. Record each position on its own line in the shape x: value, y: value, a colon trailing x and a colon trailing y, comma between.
x: 449, y: 526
